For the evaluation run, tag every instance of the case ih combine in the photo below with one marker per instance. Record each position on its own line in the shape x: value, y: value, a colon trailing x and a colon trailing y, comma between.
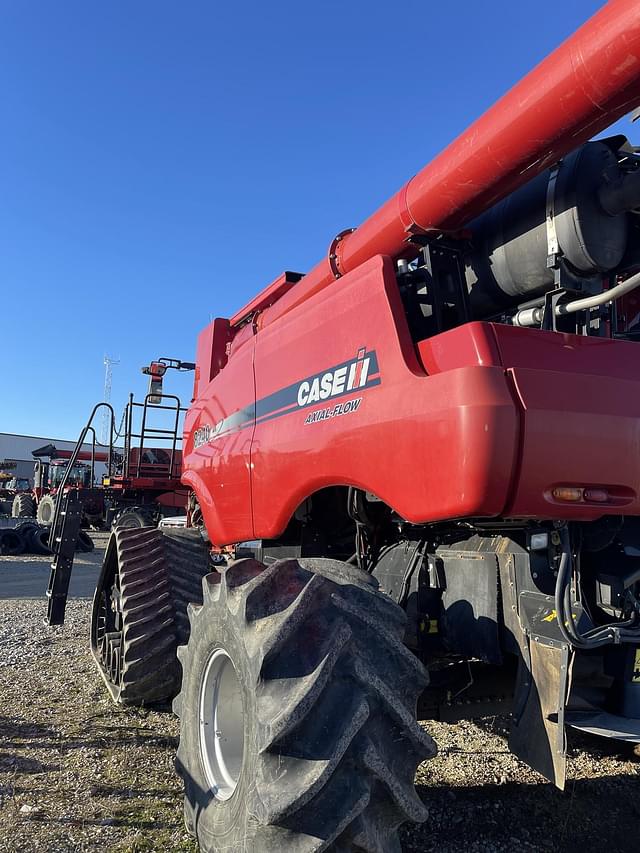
x: 141, y: 483
x: 432, y: 439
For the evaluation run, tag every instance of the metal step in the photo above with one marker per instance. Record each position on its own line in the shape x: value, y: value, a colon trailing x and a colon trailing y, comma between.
x: 605, y: 725
x: 64, y: 536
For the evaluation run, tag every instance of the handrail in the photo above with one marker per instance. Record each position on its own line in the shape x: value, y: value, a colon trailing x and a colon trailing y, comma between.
x: 74, y: 457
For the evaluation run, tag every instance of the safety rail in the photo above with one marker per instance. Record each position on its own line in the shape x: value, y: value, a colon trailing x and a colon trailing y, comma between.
x: 137, y: 467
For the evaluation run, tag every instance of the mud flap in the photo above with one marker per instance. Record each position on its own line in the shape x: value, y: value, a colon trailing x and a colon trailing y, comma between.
x: 538, y: 730
x: 537, y: 734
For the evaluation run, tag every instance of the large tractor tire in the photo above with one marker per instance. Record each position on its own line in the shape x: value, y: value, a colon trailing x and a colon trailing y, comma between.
x: 134, y: 517
x: 46, y: 510
x: 85, y: 543
x: 26, y: 529
x: 297, y: 712
x: 11, y: 543
x: 136, y: 620
x: 38, y: 541
x: 23, y: 506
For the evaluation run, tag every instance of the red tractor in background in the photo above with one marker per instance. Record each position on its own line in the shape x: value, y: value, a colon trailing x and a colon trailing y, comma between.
x: 49, y: 470
x: 431, y: 442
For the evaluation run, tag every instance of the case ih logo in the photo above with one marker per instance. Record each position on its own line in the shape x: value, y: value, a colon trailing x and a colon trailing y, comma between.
x: 337, y: 381
x: 343, y: 379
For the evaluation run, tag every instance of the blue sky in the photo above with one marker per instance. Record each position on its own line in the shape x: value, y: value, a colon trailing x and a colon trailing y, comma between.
x: 162, y: 162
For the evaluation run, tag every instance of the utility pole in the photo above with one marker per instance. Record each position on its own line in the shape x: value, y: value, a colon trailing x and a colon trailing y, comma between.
x: 106, y: 420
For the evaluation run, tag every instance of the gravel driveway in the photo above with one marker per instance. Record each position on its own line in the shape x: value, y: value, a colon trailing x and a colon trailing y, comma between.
x: 78, y: 773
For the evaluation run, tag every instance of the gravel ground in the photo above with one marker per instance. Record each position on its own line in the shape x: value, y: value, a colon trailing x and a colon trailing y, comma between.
x: 78, y: 773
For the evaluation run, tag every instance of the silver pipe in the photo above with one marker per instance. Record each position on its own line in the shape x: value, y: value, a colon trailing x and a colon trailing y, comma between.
x: 533, y: 316
x: 600, y: 298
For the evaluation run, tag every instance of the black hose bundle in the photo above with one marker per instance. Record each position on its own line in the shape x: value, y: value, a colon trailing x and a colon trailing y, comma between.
x: 614, y: 632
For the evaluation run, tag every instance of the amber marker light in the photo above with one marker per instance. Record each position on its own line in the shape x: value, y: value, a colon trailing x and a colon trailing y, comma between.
x: 569, y: 494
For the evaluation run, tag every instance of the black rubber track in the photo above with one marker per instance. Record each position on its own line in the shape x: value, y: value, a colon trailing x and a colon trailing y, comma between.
x: 187, y: 557
x: 135, y: 648
x: 156, y: 575
x: 331, y: 743
x: 23, y: 506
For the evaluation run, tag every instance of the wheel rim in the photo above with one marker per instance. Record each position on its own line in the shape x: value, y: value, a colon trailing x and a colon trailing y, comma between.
x: 109, y: 629
x: 221, y: 725
x: 46, y: 512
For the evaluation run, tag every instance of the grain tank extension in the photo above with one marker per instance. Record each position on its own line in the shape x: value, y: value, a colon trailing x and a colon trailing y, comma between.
x: 427, y: 449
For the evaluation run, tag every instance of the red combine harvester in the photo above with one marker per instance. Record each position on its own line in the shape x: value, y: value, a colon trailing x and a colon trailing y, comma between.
x: 431, y: 440
x: 142, y: 482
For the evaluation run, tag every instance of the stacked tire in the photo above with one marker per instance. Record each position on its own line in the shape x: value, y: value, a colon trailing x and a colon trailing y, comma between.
x: 45, y: 515
x: 28, y: 537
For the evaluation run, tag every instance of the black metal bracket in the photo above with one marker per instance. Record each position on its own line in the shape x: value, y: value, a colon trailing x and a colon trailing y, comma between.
x: 435, y: 292
x: 551, y: 300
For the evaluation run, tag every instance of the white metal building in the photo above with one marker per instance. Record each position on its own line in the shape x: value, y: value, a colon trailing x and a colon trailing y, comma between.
x: 18, y: 448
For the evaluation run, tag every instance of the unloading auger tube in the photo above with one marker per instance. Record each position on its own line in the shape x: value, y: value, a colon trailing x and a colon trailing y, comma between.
x: 580, y: 89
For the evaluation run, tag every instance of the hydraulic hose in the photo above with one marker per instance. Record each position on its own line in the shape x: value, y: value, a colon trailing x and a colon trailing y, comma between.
x: 533, y: 316
x: 601, y: 635
x: 600, y: 298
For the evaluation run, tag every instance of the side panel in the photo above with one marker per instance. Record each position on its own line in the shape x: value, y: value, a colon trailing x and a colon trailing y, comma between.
x: 579, y: 399
x: 217, y: 446
x: 578, y: 430
x: 432, y: 447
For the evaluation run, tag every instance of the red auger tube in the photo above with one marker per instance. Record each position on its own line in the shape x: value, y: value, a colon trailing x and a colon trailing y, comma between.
x: 581, y: 88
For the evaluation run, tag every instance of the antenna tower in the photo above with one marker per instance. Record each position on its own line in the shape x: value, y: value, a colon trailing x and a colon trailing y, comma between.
x: 108, y: 372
